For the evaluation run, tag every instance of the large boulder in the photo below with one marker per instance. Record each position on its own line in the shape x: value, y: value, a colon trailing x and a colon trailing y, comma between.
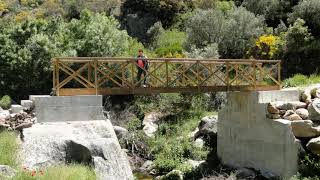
x: 150, y: 123
x: 314, y: 145
x: 7, y: 171
x: 314, y: 110
x: 88, y: 142
x: 304, y: 129
x: 315, y: 93
x: 207, y: 126
x: 306, y: 96
x: 120, y: 131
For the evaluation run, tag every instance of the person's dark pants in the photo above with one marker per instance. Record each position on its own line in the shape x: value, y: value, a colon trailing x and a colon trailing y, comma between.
x: 140, y: 72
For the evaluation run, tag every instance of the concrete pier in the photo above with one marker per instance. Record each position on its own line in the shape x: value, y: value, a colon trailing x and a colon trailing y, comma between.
x: 68, y: 108
x: 246, y: 138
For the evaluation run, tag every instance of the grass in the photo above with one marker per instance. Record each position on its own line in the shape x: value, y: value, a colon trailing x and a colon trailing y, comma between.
x: 61, y: 172
x: 300, y: 80
x: 8, y: 149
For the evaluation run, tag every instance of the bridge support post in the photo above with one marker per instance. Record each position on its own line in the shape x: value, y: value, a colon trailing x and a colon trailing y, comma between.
x: 246, y: 138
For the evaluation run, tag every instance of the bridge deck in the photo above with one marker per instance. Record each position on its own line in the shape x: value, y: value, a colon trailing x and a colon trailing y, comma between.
x: 110, y: 76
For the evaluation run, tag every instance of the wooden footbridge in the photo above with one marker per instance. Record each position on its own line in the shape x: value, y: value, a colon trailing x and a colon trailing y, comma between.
x: 112, y: 76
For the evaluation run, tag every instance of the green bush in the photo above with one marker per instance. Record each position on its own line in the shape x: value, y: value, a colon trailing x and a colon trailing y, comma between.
x: 301, y: 80
x: 8, y: 149
x: 5, y: 102
x: 310, y: 166
x: 170, y: 44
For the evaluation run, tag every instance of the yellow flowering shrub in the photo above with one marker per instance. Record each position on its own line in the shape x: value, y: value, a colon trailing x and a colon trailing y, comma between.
x: 267, y: 47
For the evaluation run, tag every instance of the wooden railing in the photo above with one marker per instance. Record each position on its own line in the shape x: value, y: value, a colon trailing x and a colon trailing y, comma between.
x: 110, y: 76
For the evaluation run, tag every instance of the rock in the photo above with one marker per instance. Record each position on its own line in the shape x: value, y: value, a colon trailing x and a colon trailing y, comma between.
x: 306, y: 95
x: 1, y: 109
x: 120, y: 131
x: 193, y: 133
x: 304, y: 128
x: 88, y: 142
x: 273, y: 116
x: 199, y: 143
x: 16, y: 108
x: 314, y: 145
x: 27, y: 104
x: 314, y: 110
x: 293, y: 117
x: 147, y: 167
x: 290, y: 105
x: 7, y: 171
x: 272, y: 109
x: 23, y: 126
x: 5, y: 114
x: 194, y: 164
x: 315, y: 92
x: 303, y: 113
x: 270, y: 175
x: 288, y: 113
x: 282, y: 112
x: 245, y: 173
x: 174, y: 174
x: 150, y: 123
x: 207, y: 126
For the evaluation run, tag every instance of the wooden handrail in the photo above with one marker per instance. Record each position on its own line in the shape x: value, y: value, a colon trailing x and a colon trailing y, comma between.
x: 117, y: 75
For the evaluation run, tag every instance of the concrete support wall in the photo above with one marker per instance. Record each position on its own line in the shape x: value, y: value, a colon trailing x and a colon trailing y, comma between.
x: 246, y: 138
x: 68, y: 108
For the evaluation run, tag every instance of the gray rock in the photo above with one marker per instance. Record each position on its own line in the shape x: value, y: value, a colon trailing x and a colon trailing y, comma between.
x: 207, y: 126
x: 302, y: 151
x: 199, y: 143
x: 4, y: 114
x: 289, y: 105
x: 314, y: 110
x: 194, y: 164
x: 27, y: 104
x: 288, y: 113
x: 16, y: 108
x: 1, y: 109
x: 193, y: 133
x: 7, y: 171
x: 89, y: 142
x: 304, y: 128
x: 293, y: 117
x: 245, y: 173
x: 270, y: 175
x: 147, y: 167
x: 314, y: 145
x: 303, y: 113
x: 150, y: 123
x: 120, y: 131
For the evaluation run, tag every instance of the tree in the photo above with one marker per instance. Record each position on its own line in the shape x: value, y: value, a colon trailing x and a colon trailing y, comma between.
x: 309, y: 11
x: 234, y: 31
x: 274, y: 11
x: 92, y: 35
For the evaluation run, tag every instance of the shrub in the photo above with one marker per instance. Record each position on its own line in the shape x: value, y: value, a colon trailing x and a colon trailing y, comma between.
x: 170, y: 44
x: 5, y: 102
x: 301, y: 80
x: 268, y: 47
x: 234, y: 31
x: 310, y: 166
x: 8, y: 149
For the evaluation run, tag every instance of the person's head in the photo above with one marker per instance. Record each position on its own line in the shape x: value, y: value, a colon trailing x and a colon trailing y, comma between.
x: 140, y: 52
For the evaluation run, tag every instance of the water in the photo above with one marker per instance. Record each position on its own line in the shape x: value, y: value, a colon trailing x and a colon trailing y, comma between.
x: 142, y: 176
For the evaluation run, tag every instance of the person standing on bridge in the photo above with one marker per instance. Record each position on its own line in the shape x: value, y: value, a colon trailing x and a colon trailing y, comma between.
x: 142, y: 66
